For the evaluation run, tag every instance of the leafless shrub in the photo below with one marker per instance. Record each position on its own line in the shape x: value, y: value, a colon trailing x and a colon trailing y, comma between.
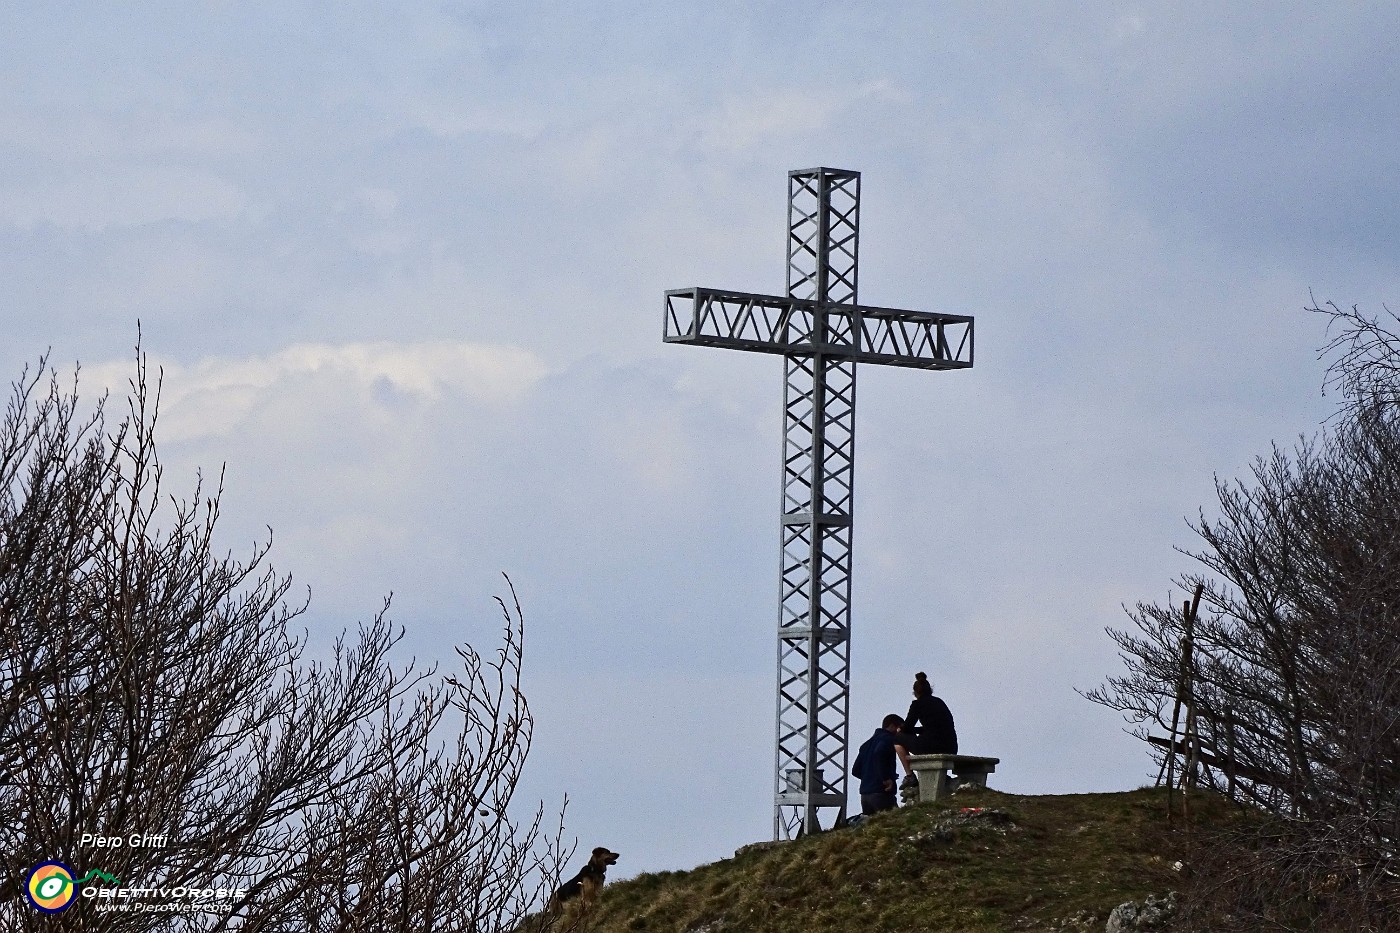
x: 1365, y: 351
x: 1295, y: 673
x: 151, y: 687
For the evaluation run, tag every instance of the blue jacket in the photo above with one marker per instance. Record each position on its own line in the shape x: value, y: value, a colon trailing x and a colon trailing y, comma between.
x: 875, y: 763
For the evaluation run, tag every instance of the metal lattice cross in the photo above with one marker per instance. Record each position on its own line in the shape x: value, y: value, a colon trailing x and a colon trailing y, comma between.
x: 822, y: 333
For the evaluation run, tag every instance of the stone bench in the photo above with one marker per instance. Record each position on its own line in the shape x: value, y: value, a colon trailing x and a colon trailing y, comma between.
x: 936, y: 782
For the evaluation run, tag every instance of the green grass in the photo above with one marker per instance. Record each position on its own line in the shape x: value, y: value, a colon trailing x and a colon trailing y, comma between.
x: 1033, y: 863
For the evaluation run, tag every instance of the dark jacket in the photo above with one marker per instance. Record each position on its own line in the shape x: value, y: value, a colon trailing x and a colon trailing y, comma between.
x: 875, y: 763
x: 936, y: 735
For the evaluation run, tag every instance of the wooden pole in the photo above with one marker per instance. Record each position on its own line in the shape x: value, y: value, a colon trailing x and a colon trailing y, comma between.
x: 1191, y: 733
x: 1230, y: 752
x: 1183, y: 693
x: 1169, y: 762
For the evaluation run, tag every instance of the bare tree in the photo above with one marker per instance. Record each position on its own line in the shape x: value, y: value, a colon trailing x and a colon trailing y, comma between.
x: 152, y: 693
x: 1365, y: 351
x: 1295, y: 669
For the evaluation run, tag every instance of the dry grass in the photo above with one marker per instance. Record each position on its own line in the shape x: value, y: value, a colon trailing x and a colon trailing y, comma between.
x: 1024, y: 863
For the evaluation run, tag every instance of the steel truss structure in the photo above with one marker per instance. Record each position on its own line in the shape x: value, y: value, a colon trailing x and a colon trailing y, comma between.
x: 822, y: 333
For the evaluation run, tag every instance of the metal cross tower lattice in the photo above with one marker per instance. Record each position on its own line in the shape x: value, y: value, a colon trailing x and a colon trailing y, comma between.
x: 821, y: 333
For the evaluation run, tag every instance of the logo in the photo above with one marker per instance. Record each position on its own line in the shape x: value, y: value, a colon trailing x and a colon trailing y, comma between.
x: 50, y: 887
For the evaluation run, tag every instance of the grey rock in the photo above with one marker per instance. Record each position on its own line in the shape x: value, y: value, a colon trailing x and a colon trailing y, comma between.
x: 1152, y: 914
x: 759, y: 846
x: 993, y: 818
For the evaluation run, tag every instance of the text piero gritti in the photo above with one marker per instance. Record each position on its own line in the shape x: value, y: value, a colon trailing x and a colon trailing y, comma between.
x: 132, y: 841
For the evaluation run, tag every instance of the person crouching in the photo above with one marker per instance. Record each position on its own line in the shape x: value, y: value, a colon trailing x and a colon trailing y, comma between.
x: 875, y: 766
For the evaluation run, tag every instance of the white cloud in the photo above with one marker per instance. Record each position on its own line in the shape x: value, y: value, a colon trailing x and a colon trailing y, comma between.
x: 453, y: 119
x: 381, y: 201
x: 754, y: 118
x: 214, y: 395
x: 1127, y: 28
x: 122, y: 197
x: 70, y: 137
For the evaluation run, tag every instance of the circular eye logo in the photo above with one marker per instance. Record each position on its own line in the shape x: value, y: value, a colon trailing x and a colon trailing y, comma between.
x: 50, y: 887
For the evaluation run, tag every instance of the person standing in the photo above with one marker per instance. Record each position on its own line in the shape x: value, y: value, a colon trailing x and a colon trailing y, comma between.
x: 875, y: 766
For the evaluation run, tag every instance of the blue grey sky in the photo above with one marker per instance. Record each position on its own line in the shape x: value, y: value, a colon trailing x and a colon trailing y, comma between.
x: 403, y: 263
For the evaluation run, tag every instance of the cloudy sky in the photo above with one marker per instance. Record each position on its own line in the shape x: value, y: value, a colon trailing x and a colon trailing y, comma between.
x: 402, y: 265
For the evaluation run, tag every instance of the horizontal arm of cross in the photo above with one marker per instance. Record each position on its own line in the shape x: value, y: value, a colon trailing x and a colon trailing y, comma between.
x: 771, y: 324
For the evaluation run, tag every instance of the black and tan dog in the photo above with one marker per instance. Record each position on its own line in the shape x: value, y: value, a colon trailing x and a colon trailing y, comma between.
x: 586, y: 885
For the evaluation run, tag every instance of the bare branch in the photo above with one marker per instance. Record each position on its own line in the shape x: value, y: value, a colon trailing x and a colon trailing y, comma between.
x: 151, y: 687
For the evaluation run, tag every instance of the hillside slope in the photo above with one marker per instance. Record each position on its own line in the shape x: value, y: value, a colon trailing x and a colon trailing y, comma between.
x: 985, y: 861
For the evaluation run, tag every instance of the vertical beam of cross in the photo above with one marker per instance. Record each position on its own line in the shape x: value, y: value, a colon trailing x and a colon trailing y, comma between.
x: 822, y: 333
x: 819, y: 396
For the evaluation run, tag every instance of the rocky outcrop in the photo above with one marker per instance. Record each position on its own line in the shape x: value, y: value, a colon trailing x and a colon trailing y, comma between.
x: 1152, y: 914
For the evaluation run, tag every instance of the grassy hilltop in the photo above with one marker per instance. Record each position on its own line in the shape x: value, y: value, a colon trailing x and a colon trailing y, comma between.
x: 1022, y: 863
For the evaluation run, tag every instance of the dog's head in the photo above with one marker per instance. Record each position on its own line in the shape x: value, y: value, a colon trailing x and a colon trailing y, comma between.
x: 602, y: 858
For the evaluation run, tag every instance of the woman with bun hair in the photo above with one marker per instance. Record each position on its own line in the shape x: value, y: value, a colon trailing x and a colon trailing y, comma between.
x: 928, y: 729
x: 930, y: 721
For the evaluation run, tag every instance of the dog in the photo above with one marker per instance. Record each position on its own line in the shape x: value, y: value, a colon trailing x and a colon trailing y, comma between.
x: 587, y: 884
